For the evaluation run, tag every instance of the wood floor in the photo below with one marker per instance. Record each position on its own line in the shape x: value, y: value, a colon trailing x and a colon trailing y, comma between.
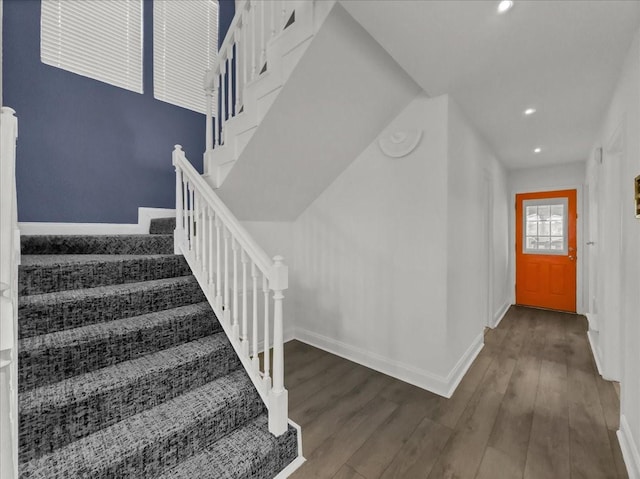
x: 531, y: 406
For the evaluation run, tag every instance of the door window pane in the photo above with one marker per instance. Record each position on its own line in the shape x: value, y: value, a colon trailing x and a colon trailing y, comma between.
x: 545, y: 226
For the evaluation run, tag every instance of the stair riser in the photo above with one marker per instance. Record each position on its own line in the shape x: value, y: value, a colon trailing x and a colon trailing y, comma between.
x: 37, y: 317
x: 162, y: 226
x: 122, y: 244
x: 64, y: 277
x: 46, y: 366
x: 42, y: 431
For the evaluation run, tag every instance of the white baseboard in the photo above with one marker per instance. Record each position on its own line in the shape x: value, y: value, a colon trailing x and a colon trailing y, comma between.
x: 298, y: 461
x: 593, y: 321
x: 142, y: 227
x: 499, y: 316
x: 595, y: 349
x: 441, y: 385
x: 629, y: 447
x: 145, y: 215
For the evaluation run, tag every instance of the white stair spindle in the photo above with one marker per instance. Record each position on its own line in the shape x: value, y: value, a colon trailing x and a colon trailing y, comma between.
x: 230, y: 111
x: 187, y: 218
x: 244, y: 332
x: 218, y: 263
x: 245, y: 53
x: 210, y: 248
x: 196, y: 226
x: 266, y: 350
x: 223, y: 101
x: 234, y: 312
x: 254, y: 329
x: 209, y: 89
x: 191, y: 219
x: 238, y: 72
x: 216, y: 115
x: 227, y: 313
x: 185, y: 203
x: 200, y: 230
x: 204, y: 231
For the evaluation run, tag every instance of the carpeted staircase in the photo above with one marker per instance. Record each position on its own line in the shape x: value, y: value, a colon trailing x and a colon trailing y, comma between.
x: 125, y: 371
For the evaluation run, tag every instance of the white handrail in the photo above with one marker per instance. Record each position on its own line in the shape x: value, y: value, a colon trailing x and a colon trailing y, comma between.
x: 207, y: 233
x: 9, y: 261
x: 257, y: 254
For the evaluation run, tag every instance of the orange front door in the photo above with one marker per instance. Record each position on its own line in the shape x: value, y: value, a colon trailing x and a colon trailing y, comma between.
x: 546, y: 250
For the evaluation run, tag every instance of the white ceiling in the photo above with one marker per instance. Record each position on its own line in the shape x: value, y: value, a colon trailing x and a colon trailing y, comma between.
x: 563, y: 57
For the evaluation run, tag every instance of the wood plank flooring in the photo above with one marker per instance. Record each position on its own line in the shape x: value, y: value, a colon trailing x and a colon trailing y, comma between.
x: 532, y: 406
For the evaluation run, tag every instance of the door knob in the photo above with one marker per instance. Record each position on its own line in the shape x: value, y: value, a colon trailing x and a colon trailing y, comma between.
x: 572, y: 258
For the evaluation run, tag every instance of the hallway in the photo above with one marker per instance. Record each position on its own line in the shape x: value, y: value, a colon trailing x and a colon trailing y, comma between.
x: 531, y: 406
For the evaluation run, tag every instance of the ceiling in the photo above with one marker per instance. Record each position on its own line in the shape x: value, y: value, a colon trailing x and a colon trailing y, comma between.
x: 561, y: 57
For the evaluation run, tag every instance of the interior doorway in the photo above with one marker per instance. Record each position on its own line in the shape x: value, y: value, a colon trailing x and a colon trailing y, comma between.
x: 546, y: 249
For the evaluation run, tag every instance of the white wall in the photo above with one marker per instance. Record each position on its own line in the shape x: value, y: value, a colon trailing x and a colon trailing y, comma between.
x: 477, y: 293
x: 370, y: 256
x: 623, y: 114
x: 383, y: 272
x: 569, y: 175
x: 500, y: 238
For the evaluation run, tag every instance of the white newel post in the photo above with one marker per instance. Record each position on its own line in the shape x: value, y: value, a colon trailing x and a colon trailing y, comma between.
x: 278, y: 395
x: 178, y: 232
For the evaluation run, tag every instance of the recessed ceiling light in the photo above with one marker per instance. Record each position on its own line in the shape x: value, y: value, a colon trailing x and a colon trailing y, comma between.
x: 537, y: 150
x: 529, y: 111
x: 505, y: 5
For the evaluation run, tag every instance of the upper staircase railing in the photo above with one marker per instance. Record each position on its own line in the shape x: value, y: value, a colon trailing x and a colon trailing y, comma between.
x: 9, y: 261
x: 242, y: 57
x: 237, y: 277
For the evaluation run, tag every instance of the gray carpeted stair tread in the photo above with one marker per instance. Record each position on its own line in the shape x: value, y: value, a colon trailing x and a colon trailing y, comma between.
x: 50, y: 273
x: 50, y: 312
x: 47, y: 358
x: 97, y: 244
x: 143, y: 445
x: 54, y: 415
x: 124, y: 371
x: 162, y: 225
x: 248, y: 452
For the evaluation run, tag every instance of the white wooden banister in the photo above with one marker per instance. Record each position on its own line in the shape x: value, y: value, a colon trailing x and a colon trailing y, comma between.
x: 199, y: 211
x: 9, y: 261
x: 241, y: 59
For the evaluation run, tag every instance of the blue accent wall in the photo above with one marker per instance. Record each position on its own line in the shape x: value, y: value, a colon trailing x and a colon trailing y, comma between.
x: 89, y: 152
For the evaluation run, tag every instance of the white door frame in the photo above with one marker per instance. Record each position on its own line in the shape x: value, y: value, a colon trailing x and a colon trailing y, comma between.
x: 580, y: 249
x: 609, y: 249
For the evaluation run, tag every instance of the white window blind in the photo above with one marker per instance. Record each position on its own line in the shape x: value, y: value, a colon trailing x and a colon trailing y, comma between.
x: 98, y: 39
x: 185, y: 44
